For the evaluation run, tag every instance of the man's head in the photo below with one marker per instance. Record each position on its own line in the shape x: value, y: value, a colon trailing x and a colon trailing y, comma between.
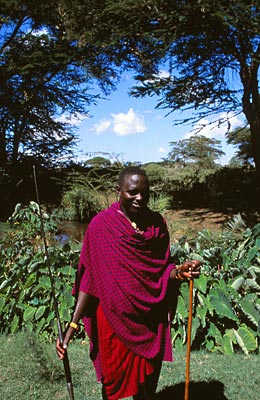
x: 133, y: 189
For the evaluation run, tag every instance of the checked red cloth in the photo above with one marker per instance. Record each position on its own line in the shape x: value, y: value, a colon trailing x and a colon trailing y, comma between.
x: 128, y: 273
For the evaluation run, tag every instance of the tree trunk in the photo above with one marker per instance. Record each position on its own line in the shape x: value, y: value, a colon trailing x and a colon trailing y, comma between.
x: 255, y: 138
x: 251, y: 108
x: 3, y: 157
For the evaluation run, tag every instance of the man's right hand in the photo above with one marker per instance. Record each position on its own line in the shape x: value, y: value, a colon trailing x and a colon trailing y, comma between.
x: 61, y: 348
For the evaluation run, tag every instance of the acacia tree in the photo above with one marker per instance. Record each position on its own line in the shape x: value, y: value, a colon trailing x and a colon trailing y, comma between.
x: 44, y: 76
x: 198, y: 150
x: 210, y: 47
x: 193, y: 162
x: 241, y: 139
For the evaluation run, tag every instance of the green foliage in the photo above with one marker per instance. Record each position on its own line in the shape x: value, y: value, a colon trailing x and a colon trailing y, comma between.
x: 241, y: 139
x: 160, y: 202
x: 26, y: 298
x: 227, y: 295
x: 192, y: 163
x: 82, y: 198
x: 158, y: 175
x: 197, y: 150
x: 80, y: 203
x: 26, y: 222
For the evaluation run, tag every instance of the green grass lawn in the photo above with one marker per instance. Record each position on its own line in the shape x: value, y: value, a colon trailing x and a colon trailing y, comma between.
x: 31, y: 370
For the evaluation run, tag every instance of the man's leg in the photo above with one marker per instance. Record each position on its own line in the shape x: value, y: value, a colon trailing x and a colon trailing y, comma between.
x: 141, y: 395
x: 148, y: 389
x: 104, y: 396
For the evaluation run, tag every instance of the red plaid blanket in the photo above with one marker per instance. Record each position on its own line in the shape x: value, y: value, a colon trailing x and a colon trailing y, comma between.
x: 128, y: 273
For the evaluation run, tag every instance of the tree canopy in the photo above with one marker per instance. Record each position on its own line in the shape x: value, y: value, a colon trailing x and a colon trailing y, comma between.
x: 210, y: 50
x: 241, y: 139
x: 45, y: 82
x: 198, y: 150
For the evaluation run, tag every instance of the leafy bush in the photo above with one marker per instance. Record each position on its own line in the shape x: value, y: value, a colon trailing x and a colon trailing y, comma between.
x: 226, y: 302
x: 159, y: 202
x: 226, y: 296
x: 81, y: 199
x: 26, y: 296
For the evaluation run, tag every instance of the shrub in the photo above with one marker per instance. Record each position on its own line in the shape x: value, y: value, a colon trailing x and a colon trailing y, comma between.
x: 26, y: 294
x: 226, y: 302
x: 226, y: 296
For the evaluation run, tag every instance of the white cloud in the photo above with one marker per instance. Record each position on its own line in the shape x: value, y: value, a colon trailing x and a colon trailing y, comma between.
x: 128, y: 124
x: 215, y: 130
x: 123, y: 124
x: 102, y: 126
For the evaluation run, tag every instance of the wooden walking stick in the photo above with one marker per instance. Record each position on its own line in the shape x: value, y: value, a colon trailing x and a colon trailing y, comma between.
x: 187, y: 381
x: 54, y: 299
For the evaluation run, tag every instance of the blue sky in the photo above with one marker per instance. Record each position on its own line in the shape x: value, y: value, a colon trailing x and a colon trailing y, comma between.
x: 133, y: 130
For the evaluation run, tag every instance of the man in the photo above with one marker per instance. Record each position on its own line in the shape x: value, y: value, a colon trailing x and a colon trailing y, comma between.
x: 124, y: 287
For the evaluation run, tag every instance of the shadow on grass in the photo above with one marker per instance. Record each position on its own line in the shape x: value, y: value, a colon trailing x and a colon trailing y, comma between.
x: 213, y: 390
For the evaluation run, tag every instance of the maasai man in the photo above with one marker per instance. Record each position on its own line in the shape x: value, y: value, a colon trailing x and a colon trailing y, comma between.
x: 124, y: 286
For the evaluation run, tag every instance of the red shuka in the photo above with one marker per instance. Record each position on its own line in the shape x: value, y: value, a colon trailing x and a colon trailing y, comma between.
x: 122, y: 371
x: 128, y: 273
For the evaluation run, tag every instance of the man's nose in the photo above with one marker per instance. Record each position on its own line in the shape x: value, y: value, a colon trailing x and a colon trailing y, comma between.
x: 139, y: 196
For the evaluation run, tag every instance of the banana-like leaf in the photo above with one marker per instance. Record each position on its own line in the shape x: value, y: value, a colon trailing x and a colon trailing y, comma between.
x: 227, y: 345
x: 252, y: 253
x: 182, y: 309
x: 195, y: 326
x: 201, y: 313
x: 201, y: 283
x: 221, y: 303
x: 237, y: 224
x: 245, y: 339
x: 215, y: 333
x: 252, y: 284
x: 202, y: 299
x: 250, y: 311
x: 185, y: 294
x: 238, y: 282
x: 256, y: 230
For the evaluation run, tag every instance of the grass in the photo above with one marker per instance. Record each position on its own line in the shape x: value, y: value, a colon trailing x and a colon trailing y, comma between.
x: 30, y: 370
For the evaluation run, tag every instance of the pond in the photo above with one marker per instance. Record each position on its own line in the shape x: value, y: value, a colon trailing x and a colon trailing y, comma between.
x: 72, y: 230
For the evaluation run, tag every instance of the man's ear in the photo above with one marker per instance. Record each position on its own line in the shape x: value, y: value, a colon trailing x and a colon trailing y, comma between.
x: 118, y: 189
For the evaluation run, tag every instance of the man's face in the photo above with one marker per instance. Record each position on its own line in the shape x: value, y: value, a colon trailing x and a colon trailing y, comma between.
x: 134, y: 194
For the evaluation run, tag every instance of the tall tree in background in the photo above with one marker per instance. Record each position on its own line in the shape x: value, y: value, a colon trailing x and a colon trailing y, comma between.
x: 210, y: 47
x: 198, y: 150
x: 44, y: 82
x: 241, y: 139
x: 192, y: 161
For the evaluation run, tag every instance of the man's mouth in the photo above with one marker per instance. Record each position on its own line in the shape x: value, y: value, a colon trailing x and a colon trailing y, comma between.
x: 136, y: 205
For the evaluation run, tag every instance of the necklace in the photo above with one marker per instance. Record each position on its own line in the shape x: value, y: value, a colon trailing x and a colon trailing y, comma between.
x: 136, y: 228
x: 133, y: 224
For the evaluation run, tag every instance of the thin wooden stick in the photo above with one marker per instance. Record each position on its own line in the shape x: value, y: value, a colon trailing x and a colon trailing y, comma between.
x: 53, y: 295
x: 187, y: 381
